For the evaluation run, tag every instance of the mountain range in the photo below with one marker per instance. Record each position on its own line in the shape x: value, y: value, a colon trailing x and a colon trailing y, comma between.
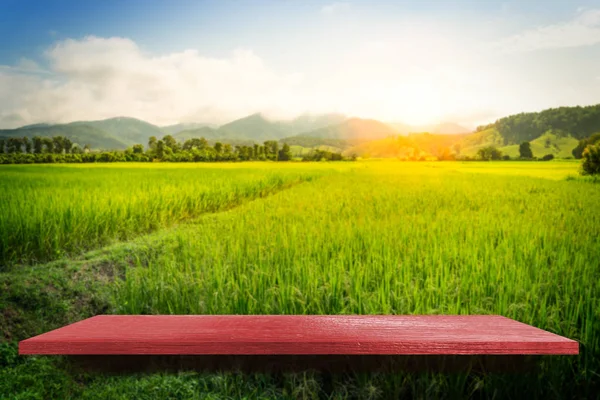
x: 554, y: 131
x: 121, y: 132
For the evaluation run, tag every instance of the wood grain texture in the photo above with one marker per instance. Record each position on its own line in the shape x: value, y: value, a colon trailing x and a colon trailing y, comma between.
x: 298, y: 334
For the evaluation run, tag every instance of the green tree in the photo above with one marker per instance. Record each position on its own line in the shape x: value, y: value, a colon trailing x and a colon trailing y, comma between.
x: 489, y: 153
x: 271, y: 149
x: 14, y: 145
x: 27, y: 144
x: 58, y: 144
x: 578, y: 151
x: 2, y: 146
x: 525, y: 150
x: 228, y: 152
x: 138, y: 149
x: 152, y: 143
x: 591, y: 160
x: 67, y: 145
x: 38, y: 145
x: 48, y: 144
x: 285, y: 154
x: 171, y: 143
x: 160, y: 150
x: 195, y: 143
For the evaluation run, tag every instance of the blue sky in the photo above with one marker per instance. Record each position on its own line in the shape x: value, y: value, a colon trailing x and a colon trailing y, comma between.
x: 213, y: 61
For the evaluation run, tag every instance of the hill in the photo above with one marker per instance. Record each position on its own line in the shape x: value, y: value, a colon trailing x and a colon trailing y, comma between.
x: 78, y: 133
x: 212, y: 136
x: 415, y: 145
x: 175, y: 129
x: 253, y: 127
x: 577, y: 122
x: 121, y: 132
x: 258, y: 128
x: 548, y: 143
x: 129, y: 130
x: 447, y: 128
x: 444, y: 128
x: 553, y: 131
x: 355, y: 129
x: 311, y: 122
x: 203, y: 132
x: 470, y: 144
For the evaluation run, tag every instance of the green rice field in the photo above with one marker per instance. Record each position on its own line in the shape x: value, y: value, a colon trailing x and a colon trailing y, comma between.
x: 519, y: 239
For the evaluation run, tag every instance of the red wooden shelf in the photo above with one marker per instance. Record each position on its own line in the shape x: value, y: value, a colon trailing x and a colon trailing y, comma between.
x: 298, y: 334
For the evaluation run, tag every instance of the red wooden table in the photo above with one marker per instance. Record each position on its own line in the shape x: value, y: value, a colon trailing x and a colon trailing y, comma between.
x: 298, y: 335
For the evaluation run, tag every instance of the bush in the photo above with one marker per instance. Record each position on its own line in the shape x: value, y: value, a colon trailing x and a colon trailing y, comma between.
x: 548, y: 157
x: 591, y: 160
x: 489, y: 153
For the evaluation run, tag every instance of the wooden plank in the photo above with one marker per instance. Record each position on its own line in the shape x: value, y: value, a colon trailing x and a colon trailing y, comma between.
x: 298, y: 334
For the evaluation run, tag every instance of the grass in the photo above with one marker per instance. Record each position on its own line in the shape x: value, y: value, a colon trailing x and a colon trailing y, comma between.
x: 519, y: 239
x: 47, y: 211
x: 548, y: 143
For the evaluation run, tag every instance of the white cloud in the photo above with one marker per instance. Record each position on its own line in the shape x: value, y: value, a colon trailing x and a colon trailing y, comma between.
x: 392, y: 79
x: 335, y: 7
x: 26, y: 66
x: 583, y: 30
x: 99, y: 78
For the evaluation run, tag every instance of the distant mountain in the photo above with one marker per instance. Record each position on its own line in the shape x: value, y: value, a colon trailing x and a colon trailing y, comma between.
x: 401, y: 127
x: 254, y: 127
x: 40, y: 125
x: 414, y: 145
x: 77, y: 133
x: 122, y: 132
x: 129, y: 130
x: 356, y: 129
x: 202, y: 132
x: 311, y: 122
x: 448, y: 128
x: 258, y: 128
x: 174, y: 129
x: 443, y: 128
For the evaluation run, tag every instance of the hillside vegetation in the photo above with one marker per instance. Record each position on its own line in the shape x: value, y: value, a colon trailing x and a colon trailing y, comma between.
x: 578, y: 122
x: 548, y: 143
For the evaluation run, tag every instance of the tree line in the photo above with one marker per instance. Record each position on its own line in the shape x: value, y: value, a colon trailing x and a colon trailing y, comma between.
x: 59, y: 149
x: 41, y: 145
